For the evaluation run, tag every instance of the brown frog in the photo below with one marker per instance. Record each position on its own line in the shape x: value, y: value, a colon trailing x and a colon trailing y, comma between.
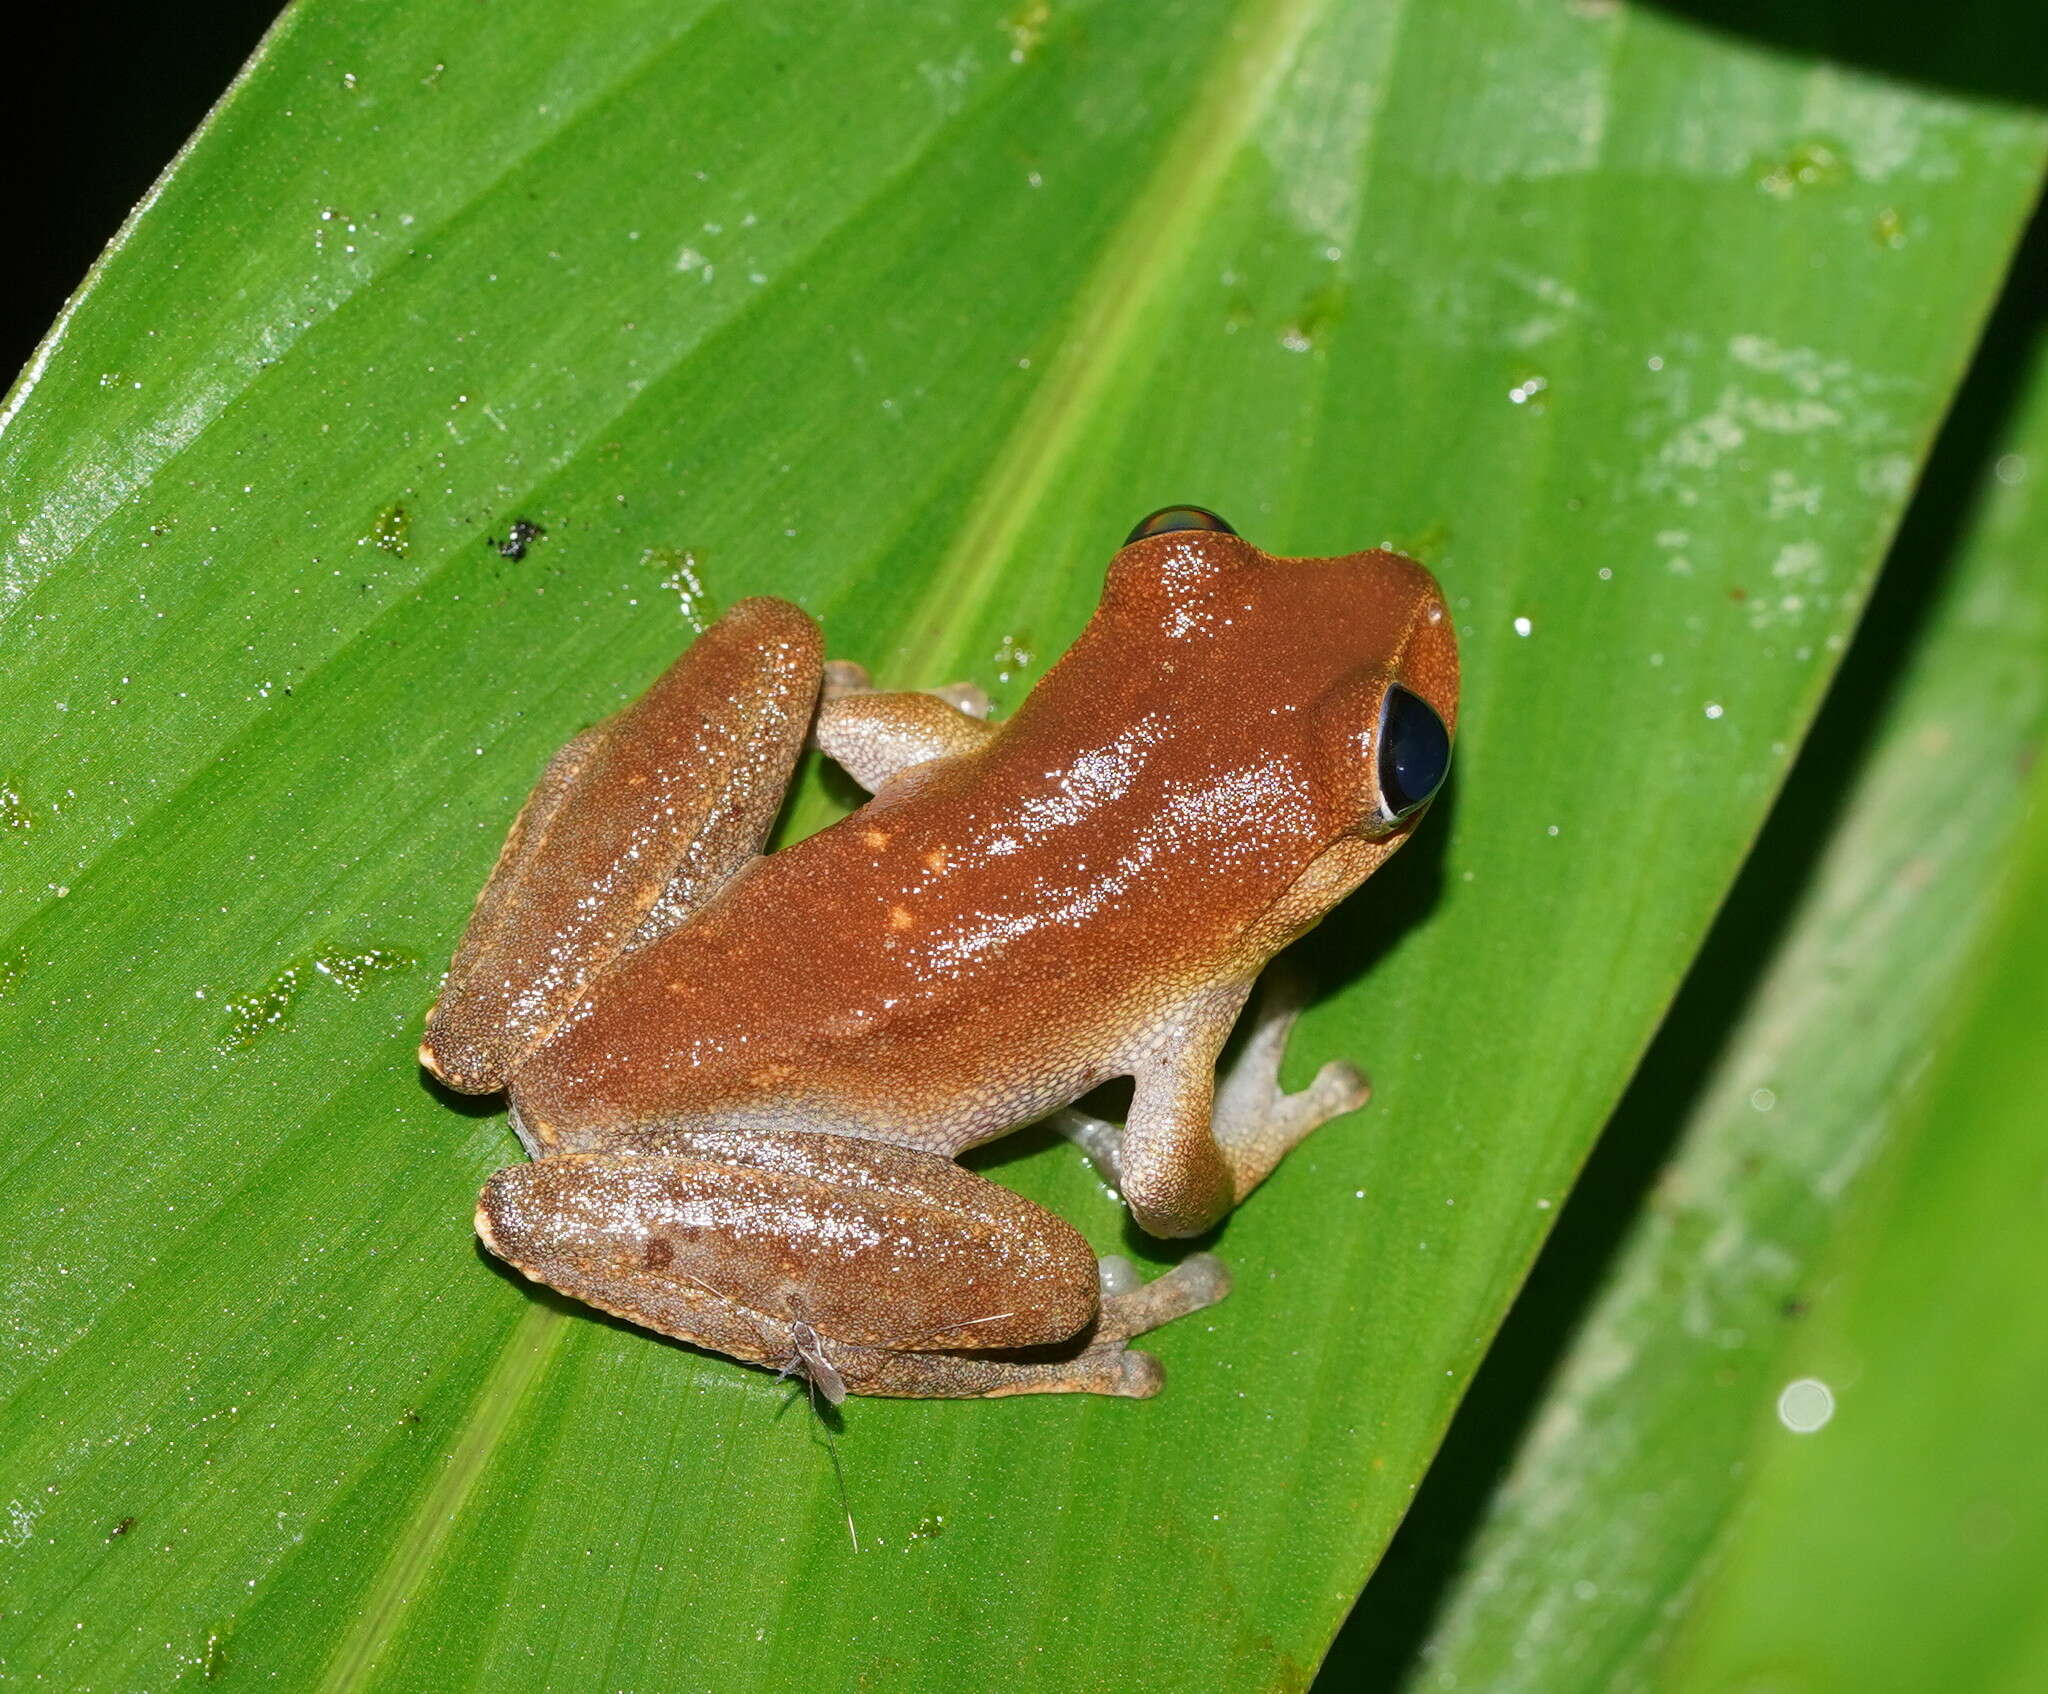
x: 744, y: 1079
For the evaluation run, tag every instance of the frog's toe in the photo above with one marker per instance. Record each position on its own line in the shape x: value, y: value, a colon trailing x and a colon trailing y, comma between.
x: 1198, y: 1281
x: 1107, y: 1368
x: 1139, y: 1376
x: 844, y: 677
x: 1339, y: 1087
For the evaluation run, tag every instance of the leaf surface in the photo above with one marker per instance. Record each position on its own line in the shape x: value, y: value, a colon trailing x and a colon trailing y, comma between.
x: 1646, y: 1451
x: 1634, y: 332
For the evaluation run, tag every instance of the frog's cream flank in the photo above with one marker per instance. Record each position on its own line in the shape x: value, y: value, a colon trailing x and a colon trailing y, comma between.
x: 744, y: 1079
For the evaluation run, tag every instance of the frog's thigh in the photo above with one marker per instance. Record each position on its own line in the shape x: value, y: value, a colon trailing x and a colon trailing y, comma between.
x: 876, y: 735
x: 1191, y: 1147
x: 730, y: 1239
x: 634, y: 824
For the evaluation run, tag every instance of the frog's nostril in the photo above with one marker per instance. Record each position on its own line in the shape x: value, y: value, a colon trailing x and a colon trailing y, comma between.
x: 1168, y: 519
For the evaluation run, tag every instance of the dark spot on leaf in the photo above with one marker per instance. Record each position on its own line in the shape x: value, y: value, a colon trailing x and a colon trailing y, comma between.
x: 522, y: 535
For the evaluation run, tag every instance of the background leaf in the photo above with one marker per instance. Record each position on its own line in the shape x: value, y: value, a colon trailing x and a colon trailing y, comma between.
x: 1892, y: 1539
x: 1644, y: 1451
x: 1635, y: 331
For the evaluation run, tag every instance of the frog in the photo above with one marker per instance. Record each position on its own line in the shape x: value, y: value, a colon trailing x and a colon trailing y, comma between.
x: 745, y: 1079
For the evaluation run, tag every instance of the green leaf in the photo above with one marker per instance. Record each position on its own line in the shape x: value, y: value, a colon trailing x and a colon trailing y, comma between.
x: 1635, y: 332
x: 1896, y: 1541
x: 1898, y: 1522
x: 1645, y: 1450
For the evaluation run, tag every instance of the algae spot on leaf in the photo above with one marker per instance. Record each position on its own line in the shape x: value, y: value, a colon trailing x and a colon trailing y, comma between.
x: 390, y: 531
x: 678, y: 568
x: 14, y: 812
x: 351, y: 972
x: 1026, y: 25
x: 1809, y: 164
x: 1313, y: 320
x: 252, y: 1016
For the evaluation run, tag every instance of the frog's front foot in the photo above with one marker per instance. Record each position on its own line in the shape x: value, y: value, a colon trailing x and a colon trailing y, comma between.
x: 1204, y: 1142
x: 1256, y: 1121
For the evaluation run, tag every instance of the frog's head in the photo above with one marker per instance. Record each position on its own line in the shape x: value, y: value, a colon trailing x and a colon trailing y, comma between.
x: 1357, y: 650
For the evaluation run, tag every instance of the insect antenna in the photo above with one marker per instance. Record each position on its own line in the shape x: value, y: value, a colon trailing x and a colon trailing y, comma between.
x: 911, y: 1341
x: 821, y: 1376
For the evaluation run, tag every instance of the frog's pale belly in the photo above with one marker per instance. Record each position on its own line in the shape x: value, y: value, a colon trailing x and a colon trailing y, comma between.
x: 921, y: 993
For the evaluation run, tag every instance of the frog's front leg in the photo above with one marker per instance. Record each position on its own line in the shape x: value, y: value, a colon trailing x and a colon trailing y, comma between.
x: 874, y: 736
x: 1193, y: 1147
x: 877, y: 1268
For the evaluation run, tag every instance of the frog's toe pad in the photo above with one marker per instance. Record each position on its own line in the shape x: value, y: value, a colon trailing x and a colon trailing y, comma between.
x: 1338, y: 1088
x: 1142, y: 1376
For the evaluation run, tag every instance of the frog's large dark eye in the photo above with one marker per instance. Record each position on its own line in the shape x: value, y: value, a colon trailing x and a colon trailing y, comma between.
x: 1415, y: 753
x: 1170, y: 518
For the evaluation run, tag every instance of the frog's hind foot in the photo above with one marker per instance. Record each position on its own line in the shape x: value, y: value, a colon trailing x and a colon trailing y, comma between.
x: 875, y: 736
x: 1101, y: 1360
x: 1132, y: 1307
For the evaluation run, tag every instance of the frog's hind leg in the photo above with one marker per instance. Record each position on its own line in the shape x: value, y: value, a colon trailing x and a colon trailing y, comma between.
x: 634, y: 824
x: 870, y: 1267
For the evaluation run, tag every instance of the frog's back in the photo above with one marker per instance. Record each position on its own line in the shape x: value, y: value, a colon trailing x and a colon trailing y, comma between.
x: 994, y: 932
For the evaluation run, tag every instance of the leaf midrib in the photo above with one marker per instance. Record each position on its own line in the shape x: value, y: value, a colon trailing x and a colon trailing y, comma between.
x: 1148, y: 246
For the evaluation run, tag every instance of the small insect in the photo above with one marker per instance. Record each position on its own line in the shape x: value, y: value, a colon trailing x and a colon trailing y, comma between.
x: 522, y: 535
x: 807, y: 1359
x: 121, y: 1528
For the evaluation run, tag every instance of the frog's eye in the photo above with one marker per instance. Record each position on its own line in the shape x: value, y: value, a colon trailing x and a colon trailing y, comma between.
x: 1170, y: 518
x: 1415, y: 753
